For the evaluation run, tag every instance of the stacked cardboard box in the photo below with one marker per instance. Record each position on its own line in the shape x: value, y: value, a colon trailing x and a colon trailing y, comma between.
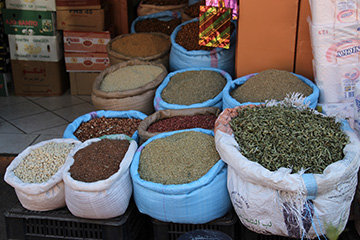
x: 86, y: 32
x: 36, y: 52
x: 5, y: 66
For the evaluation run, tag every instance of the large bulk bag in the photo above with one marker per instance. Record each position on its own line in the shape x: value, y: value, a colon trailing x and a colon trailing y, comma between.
x: 280, y: 203
x: 143, y: 132
x: 147, y: 46
x: 149, y: 8
x: 230, y: 102
x: 40, y: 196
x: 161, y: 16
x: 220, y: 58
x: 74, y: 125
x: 101, y: 199
x: 160, y: 104
x: 196, y: 202
x: 139, y: 98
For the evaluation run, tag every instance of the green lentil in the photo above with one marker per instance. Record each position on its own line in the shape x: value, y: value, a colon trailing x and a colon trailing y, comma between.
x: 190, y: 87
x: 270, y: 84
x: 129, y: 77
x: 179, y: 158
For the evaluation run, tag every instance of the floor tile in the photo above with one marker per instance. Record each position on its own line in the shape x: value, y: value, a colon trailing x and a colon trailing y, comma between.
x: 15, y: 143
x: 52, y: 103
x: 71, y: 113
x: 39, y: 122
x: 27, y: 108
x: 59, y: 130
x: 11, y: 100
x: 86, y: 98
x: 45, y: 137
x: 6, y: 127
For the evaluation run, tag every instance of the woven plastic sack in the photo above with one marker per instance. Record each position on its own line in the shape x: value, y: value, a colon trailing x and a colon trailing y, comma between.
x: 169, y: 113
x: 220, y: 58
x: 45, y: 196
x: 162, y: 16
x: 139, y: 99
x: 160, y: 104
x: 198, y: 202
x: 102, y: 199
x: 230, y: 102
x: 146, y: 9
x: 132, y: 114
x: 284, y: 204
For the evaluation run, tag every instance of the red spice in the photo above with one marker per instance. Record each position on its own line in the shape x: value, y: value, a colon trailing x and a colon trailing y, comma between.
x: 183, y: 122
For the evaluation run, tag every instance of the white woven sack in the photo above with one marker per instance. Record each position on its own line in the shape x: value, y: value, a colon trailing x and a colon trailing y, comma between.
x: 280, y: 203
x: 44, y: 196
x: 102, y: 199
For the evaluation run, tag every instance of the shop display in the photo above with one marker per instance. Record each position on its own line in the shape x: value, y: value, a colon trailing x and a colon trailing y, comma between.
x: 156, y: 25
x: 183, y: 122
x: 189, y: 87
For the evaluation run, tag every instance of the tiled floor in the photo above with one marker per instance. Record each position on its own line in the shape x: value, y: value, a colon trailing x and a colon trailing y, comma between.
x: 25, y: 121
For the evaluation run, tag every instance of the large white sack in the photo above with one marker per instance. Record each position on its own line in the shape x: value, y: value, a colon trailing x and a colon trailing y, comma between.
x: 102, y: 199
x: 278, y: 202
x: 43, y: 196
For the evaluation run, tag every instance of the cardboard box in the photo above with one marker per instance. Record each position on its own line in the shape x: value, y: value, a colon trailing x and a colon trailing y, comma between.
x: 81, y: 83
x: 36, y: 48
x: 33, y: 5
x: 37, y: 78
x: 29, y: 22
x: 86, y: 62
x: 87, y: 20
x: 266, y: 36
x: 79, y: 4
x: 75, y: 41
x: 304, y: 56
x: 5, y: 84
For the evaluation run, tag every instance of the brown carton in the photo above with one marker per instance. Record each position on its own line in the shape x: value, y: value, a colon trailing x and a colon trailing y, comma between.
x: 77, y: 4
x: 266, y: 36
x: 81, y: 83
x: 38, y: 78
x: 86, y: 62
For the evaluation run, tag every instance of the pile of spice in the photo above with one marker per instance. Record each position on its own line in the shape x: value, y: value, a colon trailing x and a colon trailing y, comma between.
x: 165, y: 2
x: 179, y: 158
x: 101, y: 126
x: 156, y: 25
x: 188, y: 36
x: 284, y: 136
x: 130, y: 77
x: 141, y: 45
x: 183, y: 122
x: 268, y: 85
x: 43, y: 162
x: 99, y: 160
x: 189, y: 87
x: 194, y: 10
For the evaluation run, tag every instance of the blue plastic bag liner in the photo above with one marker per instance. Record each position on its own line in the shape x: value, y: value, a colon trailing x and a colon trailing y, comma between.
x: 163, y: 16
x: 160, y: 104
x: 72, y: 127
x: 191, y: 2
x: 230, y: 102
x: 198, y: 202
x: 220, y: 58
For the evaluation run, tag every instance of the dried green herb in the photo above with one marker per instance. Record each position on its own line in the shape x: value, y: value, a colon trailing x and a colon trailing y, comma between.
x: 285, y: 136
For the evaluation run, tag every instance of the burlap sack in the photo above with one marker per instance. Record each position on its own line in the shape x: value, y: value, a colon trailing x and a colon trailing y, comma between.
x: 168, y: 113
x: 146, y: 9
x: 160, y: 58
x: 140, y: 99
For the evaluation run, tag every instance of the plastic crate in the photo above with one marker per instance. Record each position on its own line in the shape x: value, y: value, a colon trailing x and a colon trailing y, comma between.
x: 61, y: 224
x: 228, y: 224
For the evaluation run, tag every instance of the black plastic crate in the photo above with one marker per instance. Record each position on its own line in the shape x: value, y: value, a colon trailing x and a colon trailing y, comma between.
x: 228, y: 224
x: 61, y: 224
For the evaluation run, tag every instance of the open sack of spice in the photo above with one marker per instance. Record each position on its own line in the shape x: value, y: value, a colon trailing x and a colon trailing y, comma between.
x: 291, y: 171
x: 97, y: 177
x: 36, y: 174
x: 179, y: 177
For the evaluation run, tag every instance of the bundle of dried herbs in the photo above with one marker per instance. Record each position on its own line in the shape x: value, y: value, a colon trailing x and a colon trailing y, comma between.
x: 286, y: 136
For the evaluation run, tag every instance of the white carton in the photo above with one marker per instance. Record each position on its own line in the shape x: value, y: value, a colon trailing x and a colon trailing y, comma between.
x: 36, y: 48
x: 34, y: 5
